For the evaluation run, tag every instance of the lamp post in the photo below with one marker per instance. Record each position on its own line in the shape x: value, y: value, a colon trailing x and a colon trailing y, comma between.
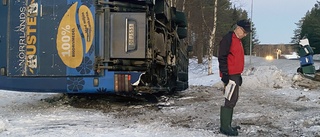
x: 251, y: 32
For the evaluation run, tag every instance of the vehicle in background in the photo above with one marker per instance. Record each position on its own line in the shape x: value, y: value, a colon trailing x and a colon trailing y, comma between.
x: 293, y: 56
x: 269, y: 57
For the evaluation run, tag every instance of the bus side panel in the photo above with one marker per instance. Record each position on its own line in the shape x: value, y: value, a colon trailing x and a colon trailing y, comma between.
x: 51, y: 38
x: 3, y: 36
x: 28, y: 84
x: 29, y: 48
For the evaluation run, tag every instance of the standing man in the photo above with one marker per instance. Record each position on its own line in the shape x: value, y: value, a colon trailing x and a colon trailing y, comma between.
x: 231, y: 65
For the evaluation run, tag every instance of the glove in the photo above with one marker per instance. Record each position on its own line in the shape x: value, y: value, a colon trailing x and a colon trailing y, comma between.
x: 225, y: 78
x: 240, y: 83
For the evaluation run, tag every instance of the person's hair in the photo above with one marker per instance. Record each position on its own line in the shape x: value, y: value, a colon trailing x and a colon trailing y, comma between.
x: 233, y: 27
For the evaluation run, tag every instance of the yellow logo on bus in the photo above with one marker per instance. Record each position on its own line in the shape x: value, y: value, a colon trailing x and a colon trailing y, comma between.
x: 87, y: 25
x: 69, y: 43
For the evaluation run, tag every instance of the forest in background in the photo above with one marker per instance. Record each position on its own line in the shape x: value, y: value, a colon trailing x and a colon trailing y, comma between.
x: 309, y: 27
x: 200, y: 15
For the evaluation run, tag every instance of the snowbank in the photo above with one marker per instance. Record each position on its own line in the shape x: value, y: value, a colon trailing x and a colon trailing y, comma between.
x: 266, y: 77
x: 259, y: 74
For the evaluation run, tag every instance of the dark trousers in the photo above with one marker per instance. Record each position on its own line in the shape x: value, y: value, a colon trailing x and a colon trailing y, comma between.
x: 234, y: 98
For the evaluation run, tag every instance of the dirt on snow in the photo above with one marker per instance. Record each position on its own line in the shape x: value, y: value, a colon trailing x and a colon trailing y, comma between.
x: 258, y: 112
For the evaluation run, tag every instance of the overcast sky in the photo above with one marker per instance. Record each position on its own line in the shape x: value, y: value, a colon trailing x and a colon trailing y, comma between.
x: 275, y: 19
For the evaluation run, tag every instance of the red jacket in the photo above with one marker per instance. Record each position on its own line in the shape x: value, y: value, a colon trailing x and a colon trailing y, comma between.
x: 231, y: 55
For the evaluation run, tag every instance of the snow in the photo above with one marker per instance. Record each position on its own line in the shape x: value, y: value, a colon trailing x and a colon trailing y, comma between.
x: 263, y: 73
x: 198, y: 73
x: 46, y: 114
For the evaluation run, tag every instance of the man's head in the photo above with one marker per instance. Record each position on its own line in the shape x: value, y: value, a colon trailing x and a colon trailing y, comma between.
x: 245, y: 24
x: 243, y: 28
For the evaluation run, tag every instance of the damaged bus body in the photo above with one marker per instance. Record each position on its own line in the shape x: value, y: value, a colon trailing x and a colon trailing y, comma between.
x: 93, y: 46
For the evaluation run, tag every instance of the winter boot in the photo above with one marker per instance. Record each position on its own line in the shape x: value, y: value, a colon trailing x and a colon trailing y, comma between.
x: 236, y: 127
x: 225, y: 122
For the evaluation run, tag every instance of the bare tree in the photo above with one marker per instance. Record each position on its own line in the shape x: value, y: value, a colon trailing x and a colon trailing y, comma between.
x: 212, y: 37
x: 184, y: 5
x: 173, y: 3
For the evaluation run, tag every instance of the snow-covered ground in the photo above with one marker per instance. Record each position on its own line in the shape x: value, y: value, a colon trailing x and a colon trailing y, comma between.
x: 270, y: 104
